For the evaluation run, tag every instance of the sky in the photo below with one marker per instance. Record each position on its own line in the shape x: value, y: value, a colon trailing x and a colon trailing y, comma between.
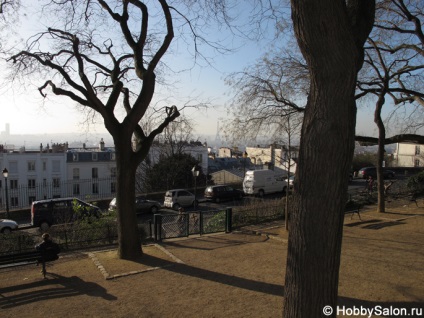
x: 27, y: 112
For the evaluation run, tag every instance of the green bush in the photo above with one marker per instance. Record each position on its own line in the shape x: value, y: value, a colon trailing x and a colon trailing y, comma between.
x: 216, y: 223
x: 16, y: 242
x: 416, y: 183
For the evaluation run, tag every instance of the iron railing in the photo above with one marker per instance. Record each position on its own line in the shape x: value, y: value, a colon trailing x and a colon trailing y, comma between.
x: 163, y: 226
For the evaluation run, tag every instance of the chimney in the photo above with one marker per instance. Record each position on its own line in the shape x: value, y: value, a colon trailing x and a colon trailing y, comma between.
x: 102, y: 145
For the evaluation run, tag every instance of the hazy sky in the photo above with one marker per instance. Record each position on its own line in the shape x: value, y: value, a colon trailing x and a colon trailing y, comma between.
x: 28, y: 113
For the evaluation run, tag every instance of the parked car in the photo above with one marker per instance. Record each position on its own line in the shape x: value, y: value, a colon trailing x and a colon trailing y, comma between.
x: 219, y: 193
x: 7, y: 226
x: 366, y: 172
x: 45, y: 213
x: 142, y: 205
x: 177, y: 198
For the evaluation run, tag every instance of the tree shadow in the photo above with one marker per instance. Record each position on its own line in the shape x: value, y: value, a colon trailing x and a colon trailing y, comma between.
x: 215, y: 240
x: 239, y: 282
x: 58, y: 287
x: 382, y: 225
x: 362, y: 223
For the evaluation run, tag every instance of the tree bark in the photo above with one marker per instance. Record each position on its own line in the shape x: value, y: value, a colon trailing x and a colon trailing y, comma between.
x: 126, y: 166
x: 326, y: 33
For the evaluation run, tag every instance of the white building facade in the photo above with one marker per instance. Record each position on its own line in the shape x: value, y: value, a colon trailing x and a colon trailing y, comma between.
x: 274, y: 156
x: 58, y: 172
x: 409, y: 155
x: 30, y: 174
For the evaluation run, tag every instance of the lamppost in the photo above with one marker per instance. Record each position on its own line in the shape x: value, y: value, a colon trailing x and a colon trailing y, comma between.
x: 244, y: 163
x: 5, y: 175
x: 195, y: 172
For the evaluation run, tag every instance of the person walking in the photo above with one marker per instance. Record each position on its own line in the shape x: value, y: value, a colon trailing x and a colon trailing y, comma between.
x: 181, y: 221
x: 370, y: 184
x: 49, y: 251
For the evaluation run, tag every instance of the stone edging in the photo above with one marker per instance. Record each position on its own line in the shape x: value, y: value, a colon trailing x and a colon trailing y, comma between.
x: 107, y: 276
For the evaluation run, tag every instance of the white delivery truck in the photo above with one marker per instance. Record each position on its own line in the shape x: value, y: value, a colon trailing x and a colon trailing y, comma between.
x: 260, y: 182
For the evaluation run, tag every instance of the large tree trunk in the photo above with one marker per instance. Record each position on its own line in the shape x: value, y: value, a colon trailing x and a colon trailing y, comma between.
x: 328, y: 43
x: 126, y: 166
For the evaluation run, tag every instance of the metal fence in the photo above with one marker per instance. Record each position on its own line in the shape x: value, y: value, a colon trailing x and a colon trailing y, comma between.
x: 163, y: 226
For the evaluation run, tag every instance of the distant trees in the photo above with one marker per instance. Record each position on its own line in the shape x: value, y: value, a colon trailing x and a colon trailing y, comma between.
x: 166, y: 164
x: 173, y: 172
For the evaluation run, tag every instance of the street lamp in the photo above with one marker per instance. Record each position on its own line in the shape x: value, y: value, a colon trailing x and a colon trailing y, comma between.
x: 244, y: 163
x: 195, y: 171
x: 5, y: 175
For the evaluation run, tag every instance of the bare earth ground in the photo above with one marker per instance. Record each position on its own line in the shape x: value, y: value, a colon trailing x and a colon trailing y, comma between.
x: 225, y: 275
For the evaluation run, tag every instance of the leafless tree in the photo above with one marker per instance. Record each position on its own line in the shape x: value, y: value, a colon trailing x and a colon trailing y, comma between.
x: 394, y: 67
x: 8, y: 17
x: 108, y: 56
x: 267, y: 93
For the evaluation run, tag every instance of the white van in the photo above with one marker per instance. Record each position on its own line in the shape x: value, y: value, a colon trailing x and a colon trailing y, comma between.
x: 260, y: 182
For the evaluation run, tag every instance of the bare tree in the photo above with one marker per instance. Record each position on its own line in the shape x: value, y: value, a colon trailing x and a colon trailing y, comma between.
x: 108, y: 57
x: 266, y: 93
x: 8, y: 17
x: 394, y: 67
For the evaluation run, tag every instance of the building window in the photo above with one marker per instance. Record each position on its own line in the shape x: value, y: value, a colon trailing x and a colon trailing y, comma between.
x: 94, y: 173
x: 95, y: 188
x: 31, y: 183
x: 112, y: 156
x: 13, y: 167
x: 56, y: 166
x: 76, y: 189
x: 417, y: 149
x: 417, y: 163
x: 14, y: 201
x: 75, y: 173
x: 56, y: 182
x: 200, y: 157
x: 113, y: 187
x: 13, y: 184
x: 113, y: 172
x: 0, y: 184
x: 31, y: 165
x: 31, y: 199
x: 94, y: 156
x: 75, y: 157
x: 44, y: 165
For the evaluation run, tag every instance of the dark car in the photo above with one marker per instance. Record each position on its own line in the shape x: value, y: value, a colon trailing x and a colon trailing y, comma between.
x: 142, y: 205
x: 45, y: 213
x: 367, y: 172
x: 221, y: 192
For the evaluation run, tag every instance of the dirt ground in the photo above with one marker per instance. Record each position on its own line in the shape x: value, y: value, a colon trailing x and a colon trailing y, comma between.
x: 225, y: 275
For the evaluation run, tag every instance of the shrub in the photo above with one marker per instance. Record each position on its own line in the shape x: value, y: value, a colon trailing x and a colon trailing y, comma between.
x: 416, y: 183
